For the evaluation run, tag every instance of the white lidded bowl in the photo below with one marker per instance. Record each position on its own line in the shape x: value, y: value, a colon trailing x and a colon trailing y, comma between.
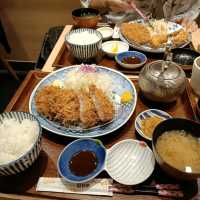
x: 84, y: 48
x: 27, y: 158
x: 113, y: 47
x: 130, y: 162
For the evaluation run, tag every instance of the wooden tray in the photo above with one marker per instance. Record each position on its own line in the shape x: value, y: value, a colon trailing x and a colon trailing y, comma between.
x: 66, y: 59
x: 23, y: 186
x: 60, y: 56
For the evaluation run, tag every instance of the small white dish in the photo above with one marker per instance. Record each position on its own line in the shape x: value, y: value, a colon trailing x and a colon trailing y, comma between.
x: 147, y: 114
x: 106, y: 32
x: 130, y: 162
x: 113, y: 47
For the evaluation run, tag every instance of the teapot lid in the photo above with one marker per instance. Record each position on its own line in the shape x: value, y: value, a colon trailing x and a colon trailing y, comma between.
x: 167, y: 69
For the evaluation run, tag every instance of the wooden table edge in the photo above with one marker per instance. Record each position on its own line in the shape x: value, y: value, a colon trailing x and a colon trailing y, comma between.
x: 57, y: 50
x: 4, y: 196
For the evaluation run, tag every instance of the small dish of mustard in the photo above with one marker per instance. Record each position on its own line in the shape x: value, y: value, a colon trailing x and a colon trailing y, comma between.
x: 146, y: 122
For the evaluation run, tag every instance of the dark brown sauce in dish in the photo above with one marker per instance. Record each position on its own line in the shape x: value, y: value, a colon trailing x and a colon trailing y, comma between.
x: 83, y: 163
x: 131, y: 60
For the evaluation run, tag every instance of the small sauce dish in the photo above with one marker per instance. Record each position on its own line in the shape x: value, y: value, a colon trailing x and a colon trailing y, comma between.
x: 149, y: 119
x: 131, y: 59
x: 73, y: 149
x: 123, y: 161
x: 114, y: 47
x: 106, y: 32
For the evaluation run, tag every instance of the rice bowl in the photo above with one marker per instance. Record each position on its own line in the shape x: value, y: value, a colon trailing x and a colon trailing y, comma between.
x: 84, y: 43
x: 21, y: 148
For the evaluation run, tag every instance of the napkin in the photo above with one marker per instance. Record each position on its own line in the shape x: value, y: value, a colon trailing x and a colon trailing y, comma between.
x: 94, y: 187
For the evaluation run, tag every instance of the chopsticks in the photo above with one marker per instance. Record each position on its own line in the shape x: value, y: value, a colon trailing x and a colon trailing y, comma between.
x: 141, y: 14
x: 165, y: 190
x: 139, y: 11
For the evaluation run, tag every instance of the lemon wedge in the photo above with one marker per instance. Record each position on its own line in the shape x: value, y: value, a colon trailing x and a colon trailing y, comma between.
x: 115, y: 47
x: 126, y: 97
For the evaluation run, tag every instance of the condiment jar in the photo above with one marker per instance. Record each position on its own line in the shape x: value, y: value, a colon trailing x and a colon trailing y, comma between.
x: 162, y: 81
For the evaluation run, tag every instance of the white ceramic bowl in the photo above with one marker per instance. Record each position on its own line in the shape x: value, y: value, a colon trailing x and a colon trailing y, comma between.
x: 106, y: 32
x: 130, y: 162
x: 113, y: 47
x: 146, y: 114
x: 84, y: 51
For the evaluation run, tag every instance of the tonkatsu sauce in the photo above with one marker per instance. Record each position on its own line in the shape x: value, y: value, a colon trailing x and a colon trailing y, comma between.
x: 83, y: 163
x: 131, y: 60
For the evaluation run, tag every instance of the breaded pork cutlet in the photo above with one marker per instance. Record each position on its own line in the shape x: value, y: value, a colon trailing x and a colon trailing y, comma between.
x: 44, y: 100
x: 179, y: 37
x: 136, y: 33
x: 104, y: 106
x: 58, y: 104
x: 158, y: 40
x: 88, y: 115
x: 67, y: 108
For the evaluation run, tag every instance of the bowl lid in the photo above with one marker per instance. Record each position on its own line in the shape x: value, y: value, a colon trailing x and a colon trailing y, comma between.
x: 130, y: 162
x: 164, y: 69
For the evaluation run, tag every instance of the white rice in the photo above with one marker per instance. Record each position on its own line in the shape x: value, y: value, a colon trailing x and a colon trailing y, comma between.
x: 83, y: 38
x: 16, y: 138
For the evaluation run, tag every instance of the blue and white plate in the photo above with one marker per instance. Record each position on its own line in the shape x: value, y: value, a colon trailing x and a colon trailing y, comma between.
x: 124, y: 111
x: 146, y: 114
x: 172, y: 27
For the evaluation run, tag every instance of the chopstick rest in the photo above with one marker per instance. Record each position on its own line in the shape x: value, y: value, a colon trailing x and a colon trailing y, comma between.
x: 94, y: 187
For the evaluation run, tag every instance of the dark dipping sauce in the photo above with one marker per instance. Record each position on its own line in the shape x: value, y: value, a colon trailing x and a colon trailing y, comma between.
x: 131, y: 60
x: 83, y: 163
